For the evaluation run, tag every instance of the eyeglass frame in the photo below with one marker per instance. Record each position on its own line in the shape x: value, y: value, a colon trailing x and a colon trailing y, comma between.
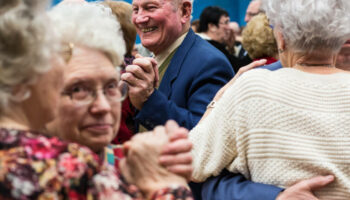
x: 122, y: 87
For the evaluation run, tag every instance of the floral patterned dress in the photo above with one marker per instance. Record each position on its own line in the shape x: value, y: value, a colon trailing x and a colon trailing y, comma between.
x: 33, y: 166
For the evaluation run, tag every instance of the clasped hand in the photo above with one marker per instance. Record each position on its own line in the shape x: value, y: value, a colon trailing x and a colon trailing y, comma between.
x: 142, y: 77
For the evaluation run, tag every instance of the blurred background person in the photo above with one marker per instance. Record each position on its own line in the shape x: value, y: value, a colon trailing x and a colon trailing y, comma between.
x: 195, y: 25
x: 234, y: 39
x: 343, y: 58
x: 236, y: 30
x: 268, y: 120
x: 214, y: 27
x: 258, y: 39
x: 254, y: 8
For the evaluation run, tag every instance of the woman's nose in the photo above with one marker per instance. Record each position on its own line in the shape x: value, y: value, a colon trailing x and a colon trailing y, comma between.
x: 101, y: 105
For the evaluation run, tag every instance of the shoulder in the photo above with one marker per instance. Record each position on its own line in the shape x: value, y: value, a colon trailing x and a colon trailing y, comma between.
x: 204, y: 56
x: 253, y: 82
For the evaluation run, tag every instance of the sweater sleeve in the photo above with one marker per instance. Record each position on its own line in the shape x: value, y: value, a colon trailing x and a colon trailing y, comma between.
x: 214, y: 139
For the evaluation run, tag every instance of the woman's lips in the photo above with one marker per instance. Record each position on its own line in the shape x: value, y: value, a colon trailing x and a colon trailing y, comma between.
x: 98, y: 128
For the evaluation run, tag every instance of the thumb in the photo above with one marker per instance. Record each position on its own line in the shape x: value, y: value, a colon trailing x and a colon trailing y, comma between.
x: 126, y: 147
x: 138, y: 56
x: 319, y: 181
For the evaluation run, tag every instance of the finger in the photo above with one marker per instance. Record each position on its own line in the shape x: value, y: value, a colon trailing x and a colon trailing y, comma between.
x: 252, y: 65
x: 319, y: 182
x: 156, y: 73
x: 138, y: 56
x: 178, y: 146
x: 180, y: 133
x: 130, y: 79
x: 138, y: 72
x: 159, y: 130
x: 169, y: 160
x: 126, y: 147
x: 145, y: 64
x: 154, y: 66
x: 171, y: 126
x: 182, y: 170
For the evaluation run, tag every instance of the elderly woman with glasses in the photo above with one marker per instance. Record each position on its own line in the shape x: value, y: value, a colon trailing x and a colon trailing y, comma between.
x: 281, y: 127
x: 35, y: 166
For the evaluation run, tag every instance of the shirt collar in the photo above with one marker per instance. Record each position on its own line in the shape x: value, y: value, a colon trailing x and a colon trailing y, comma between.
x: 160, y: 58
x: 204, y: 36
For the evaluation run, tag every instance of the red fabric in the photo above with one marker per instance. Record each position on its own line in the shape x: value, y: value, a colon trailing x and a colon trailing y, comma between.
x: 124, y: 133
x: 269, y: 60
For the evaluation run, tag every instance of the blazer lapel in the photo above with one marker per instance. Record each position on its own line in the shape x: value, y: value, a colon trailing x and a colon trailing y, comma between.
x: 176, y: 63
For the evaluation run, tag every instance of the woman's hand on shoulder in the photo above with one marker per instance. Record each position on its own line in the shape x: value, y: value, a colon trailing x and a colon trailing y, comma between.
x: 242, y: 70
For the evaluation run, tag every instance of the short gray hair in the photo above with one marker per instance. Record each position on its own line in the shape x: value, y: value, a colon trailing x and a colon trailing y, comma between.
x: 92, y: 25
x: 311, y: 25
x: 25, y: 44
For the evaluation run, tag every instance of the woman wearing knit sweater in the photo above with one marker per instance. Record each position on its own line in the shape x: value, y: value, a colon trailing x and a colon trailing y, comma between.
x: 292, y: 124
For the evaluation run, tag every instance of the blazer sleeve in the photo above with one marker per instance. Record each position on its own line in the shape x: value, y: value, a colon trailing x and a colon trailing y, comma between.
x: 206, y: 82
x: 230, y: 186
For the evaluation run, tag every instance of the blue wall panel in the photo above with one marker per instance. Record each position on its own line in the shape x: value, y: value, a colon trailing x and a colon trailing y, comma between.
x: 235, y: 8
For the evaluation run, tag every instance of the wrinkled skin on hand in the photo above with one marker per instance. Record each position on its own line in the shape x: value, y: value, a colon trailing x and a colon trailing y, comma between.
x: 142, y: 77
x: 141, y: 166
x: 303, y: 190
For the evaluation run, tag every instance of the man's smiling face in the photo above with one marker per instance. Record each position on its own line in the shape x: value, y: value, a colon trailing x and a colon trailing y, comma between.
x: 158, y: 23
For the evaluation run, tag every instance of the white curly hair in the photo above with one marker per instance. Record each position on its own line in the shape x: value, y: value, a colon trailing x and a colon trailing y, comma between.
x: 26, y: 44
x: 92, y: 25
x: 311, y: 25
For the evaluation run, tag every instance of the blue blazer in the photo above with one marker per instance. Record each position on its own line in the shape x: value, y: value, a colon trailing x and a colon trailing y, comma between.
x: 196, y: 72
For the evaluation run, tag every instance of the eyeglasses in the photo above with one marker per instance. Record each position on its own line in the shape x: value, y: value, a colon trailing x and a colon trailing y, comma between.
x: 224, y: 23
x: 115, y: 91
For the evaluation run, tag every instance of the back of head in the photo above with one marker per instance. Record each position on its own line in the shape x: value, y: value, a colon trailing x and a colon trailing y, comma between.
x: 311, y: 25
x: 92, y: 25
x: 123, y: 12
x: 210, y: 15
x: 25, y: 44
x: 258, y: 39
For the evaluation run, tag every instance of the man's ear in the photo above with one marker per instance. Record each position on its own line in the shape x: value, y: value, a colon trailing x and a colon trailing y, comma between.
x: 212, y: 27
x: 186, y: 10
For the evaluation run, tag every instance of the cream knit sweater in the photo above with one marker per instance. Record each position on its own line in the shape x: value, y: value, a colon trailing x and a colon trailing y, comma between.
x: 279, y: 128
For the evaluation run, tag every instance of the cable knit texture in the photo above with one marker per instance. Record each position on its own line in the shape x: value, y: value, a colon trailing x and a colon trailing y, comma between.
x: 279, y: 128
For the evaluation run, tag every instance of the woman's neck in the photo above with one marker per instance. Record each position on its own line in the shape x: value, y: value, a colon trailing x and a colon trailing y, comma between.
x: 315, y: 62
x: 315, y: 59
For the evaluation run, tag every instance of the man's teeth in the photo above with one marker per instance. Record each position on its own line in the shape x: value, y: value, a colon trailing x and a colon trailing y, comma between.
x: 146, y: 30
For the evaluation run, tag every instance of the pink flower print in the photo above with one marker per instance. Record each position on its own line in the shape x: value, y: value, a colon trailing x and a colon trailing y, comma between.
x: 43, y: 148
x: 70, y: 166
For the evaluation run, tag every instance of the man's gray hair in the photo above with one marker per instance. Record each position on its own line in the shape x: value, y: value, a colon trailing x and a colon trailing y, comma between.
x: 92, y: 25
x: 26, y: 44
x: 311, y: 25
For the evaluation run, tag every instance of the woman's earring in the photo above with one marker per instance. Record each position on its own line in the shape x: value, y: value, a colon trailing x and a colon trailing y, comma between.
x: 280, y: 50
